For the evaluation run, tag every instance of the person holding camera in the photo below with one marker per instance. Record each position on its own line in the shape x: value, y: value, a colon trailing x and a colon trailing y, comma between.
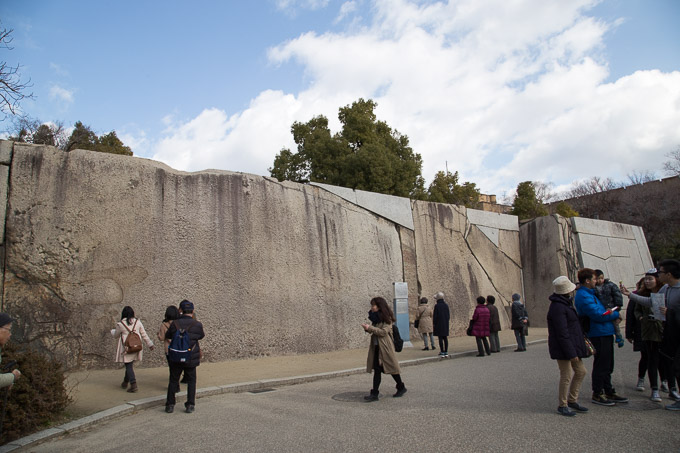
x: 6, y: 379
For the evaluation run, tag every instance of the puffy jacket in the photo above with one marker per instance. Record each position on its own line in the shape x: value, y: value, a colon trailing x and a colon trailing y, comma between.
x: 480, y: 327
x: 609, y: 294
x: 565, y: 338
x: 519, y: 313
x: 587, y: 304
x: 195, y: 330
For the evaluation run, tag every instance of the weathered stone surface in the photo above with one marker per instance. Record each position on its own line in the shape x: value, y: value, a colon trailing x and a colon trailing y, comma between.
x: 452, y: 262
x: 4, y: 186
x: 272, y: 268
x: 6, y: 152
x: 594, y: 245
x: 582, y: 225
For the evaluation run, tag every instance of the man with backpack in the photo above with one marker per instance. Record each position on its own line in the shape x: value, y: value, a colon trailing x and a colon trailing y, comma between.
x: 184, y: 354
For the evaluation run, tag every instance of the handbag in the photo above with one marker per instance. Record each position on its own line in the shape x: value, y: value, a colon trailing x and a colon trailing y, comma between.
x: 469, y: 329
x: 416, y: 323
x: 590, y: 349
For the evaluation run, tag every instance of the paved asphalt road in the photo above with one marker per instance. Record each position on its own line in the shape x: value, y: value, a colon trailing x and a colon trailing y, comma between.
x: 506, y: 402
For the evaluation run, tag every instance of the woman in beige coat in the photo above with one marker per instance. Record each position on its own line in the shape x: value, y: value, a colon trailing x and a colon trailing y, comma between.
x: 424, y: 318
x: 128, y: 323
x: 381, y: 355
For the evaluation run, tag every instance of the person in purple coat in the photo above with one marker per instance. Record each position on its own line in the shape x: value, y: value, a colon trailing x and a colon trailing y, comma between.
x: 566, y: 345
x: 480, y: 326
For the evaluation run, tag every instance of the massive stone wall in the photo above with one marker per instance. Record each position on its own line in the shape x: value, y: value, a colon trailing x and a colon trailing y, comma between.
x: 273, y: 267
x: 553, y: 246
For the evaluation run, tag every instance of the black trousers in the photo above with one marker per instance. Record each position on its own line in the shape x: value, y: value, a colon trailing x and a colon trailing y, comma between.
x: 190, y: 375
x: 603, y: 365
x: 378, y: 371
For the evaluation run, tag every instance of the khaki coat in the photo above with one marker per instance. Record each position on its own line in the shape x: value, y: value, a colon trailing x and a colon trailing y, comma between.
x: 424, y: 314
x: 387, y: 356
x: 120, y: 333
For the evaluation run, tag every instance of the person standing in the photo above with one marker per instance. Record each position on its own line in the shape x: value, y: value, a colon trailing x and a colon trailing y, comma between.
x: 609, y: 294
x: 171, y: 313
x: 520, y: 320
x: 601, y: 334
x: 185, y: 323
x: 566, y: 345
x: 494, y: 324
x: 128, y: 324
x: 382, y: 357
x: 480, y: 326
x: 425, y: 326
x: 440, y: 319
x: 652, y: 333
x: 6, y: 379
x: 634, y: 336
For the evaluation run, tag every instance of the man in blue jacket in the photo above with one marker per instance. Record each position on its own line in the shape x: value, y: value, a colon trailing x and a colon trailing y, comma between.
x: 601, y: 334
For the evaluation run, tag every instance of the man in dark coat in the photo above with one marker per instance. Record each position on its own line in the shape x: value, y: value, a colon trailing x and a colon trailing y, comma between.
x: 566, y: 345
x: 440, y: 321
x: 195, y: 329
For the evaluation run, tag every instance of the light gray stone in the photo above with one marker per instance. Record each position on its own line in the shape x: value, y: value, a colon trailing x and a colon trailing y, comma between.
x: 594, y: 245
x: 602, y: 228
x: 620, y: 246
x: 4, y: 186
x: 493, y: 220
x: 6, y: 152
x: 491, y: 233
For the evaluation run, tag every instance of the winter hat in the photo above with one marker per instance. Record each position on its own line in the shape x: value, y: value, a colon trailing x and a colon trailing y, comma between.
x: 5, y: 319
x: 516, y: 297
x: 562, y: 285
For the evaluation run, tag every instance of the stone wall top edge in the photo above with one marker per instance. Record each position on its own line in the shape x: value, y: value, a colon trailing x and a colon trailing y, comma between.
x: 493, y: 219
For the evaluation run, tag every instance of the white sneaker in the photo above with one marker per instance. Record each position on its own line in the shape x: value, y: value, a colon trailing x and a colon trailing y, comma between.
x: 674, y: 395
x: 640, y: 387
x: 655, y: 396
x: 664, y: 386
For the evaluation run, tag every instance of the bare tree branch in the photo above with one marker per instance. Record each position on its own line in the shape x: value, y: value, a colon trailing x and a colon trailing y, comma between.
x: 12, y: 89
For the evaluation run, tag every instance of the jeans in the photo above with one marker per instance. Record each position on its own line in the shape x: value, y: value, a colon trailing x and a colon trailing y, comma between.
x: 190, y: 374
x: 642, y: 364
x: 521, y: 339
x: 495, y: 342
x: 603, y: 365
x: 483, y: 341
x: 570, y: 384
x: 431, y: 340
x: 129, y: 373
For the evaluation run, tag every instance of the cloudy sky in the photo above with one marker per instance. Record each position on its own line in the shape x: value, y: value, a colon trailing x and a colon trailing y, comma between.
x: 502, y: 91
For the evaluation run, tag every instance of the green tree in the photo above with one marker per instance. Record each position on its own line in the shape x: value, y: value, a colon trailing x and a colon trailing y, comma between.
x: 110, y: 143
x: 367, y: 154
x: 565, y: 210
x: 526, y: 205
x: 445, y: 189
x: 82, y: 137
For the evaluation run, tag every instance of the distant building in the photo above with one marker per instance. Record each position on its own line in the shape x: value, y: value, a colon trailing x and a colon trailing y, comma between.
x: 488, y: 203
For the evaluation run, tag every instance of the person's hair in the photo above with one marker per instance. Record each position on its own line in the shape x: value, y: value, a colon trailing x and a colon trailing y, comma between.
x: 188, y: 311
x: 384, y: 309
x: 598, y: 272
x: 640, y: 284
x: 481, y: 300
x: 171, y: 313
x: 128, y: 313
x: 490, y: 300
x: 423, y: 300
x: 671, y: 266
x: 585, y: 274
x: 644, y: 291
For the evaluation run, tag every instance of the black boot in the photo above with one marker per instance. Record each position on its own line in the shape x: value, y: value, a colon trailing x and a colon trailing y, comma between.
x: 372, y: 397
x: 401, y: 389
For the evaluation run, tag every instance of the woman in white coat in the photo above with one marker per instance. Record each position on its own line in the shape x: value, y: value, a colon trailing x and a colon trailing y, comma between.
x: 128, y: 323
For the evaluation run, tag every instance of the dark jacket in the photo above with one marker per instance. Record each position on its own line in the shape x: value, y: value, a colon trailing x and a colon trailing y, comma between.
x: 440, y: 319
x: 195, y: 334
x: 609, y: 294
x: 633, y: 326
x: 565, y: 337
x: 480, y: 325
x: 518, y: 314
x: 494, y: 318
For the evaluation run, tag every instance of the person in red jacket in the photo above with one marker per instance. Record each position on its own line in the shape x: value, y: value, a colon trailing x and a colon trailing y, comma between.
x: 480, y: 326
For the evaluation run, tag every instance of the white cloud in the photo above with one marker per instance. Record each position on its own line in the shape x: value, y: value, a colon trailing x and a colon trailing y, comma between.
x: 502, y: 91
x: 346, y: 9
x: 59, y: 70
x: 60, y: 94
x: 292, y: 5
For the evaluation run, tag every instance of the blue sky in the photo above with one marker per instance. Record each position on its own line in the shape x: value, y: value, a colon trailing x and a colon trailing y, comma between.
x: 501, y: 91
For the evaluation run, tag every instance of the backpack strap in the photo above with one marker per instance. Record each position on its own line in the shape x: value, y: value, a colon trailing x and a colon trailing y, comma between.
x: 127, y: 328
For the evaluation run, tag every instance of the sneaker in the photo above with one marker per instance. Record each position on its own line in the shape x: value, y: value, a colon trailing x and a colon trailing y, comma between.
x: 655, y: 396
x: 426, y: 348
x: 602, y: 400
x: 613, y: 397
x: 565, y: 411
x: 640, y: 387
x: 446, y: 353
x: 673, y: 407
x: 441, y: 354
x: 674, y: 395
x: 577, y: 407
x: 664, y: 386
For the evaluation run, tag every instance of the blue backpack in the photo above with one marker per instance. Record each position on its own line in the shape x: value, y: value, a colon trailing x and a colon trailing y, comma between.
x: 180, y: 347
